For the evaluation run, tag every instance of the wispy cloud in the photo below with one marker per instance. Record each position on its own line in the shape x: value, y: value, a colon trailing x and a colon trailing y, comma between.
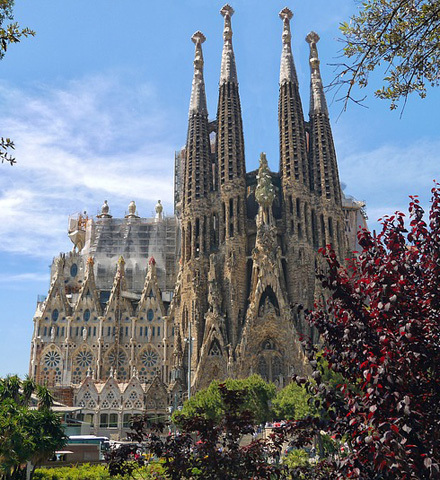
x: 91, y: 140
x: 386, y: 175
x: 29, y: 277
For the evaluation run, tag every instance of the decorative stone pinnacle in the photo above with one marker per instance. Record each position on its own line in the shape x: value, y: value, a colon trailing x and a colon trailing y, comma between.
x: 228, y: 71
x: 198, y: 37
x: 198, y: 97
x: 121, y: 261
x: 312, y: 39
x: 318, y: 103
x: 227, y: 11
x: 152, y: 261
x: 286, y: 15
x: 287, y: 69
x: 90, y: 262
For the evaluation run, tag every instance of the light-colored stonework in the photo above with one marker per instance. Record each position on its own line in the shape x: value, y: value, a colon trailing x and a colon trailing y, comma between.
x: 142, y: 305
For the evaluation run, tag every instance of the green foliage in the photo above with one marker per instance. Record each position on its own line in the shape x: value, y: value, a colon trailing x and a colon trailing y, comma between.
x: 402, y: 36
x: 10, y: 33
x: 96, y: 472
x: 209, y: 402
x: 296, y: 458
x: 292, y: 403
x: 28, y: 432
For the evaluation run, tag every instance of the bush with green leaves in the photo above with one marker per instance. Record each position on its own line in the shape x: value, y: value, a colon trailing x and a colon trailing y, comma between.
x: 257, y: 398
x: 97, y: 472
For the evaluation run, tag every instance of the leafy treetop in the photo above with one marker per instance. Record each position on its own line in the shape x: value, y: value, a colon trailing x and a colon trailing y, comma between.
x: 403, y: 36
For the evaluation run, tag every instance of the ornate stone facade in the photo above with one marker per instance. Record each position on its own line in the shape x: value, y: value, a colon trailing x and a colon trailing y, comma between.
x: 143, y: 306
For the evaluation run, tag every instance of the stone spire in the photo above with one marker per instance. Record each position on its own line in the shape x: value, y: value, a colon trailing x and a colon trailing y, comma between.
x: 230, y: 142
x: 228, y: 71
x: 318, y: 103
x: 322, y: 151
x: 287, y: 69
x: 198, y: 95
x: 231, y: 181
x: 197, y: 168
x: 293, y: 152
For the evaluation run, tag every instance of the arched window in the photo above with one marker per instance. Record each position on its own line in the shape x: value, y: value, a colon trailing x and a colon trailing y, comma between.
x: 86, y: 315
x: 55, y: 315
x: 263, y: 370
x: 150, y: 315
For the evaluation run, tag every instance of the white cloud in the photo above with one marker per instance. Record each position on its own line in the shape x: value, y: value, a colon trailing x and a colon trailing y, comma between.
x: 92, y: 140
x: 28, y: 277
x: 386, y: 175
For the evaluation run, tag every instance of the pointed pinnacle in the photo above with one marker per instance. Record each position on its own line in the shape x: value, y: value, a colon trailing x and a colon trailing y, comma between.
x: 198, y: 97
x: 227, y: 11
x: 312, y: 39
x: 286, y: 15
x: 287, y: 68
x: 228, y: 70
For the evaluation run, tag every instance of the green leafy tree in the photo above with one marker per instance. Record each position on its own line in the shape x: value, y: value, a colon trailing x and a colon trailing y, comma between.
x: 403, y: 37
x: 258, y: 395
x: 292, y: 403
x: 29, y: 429
x: 9, y: 33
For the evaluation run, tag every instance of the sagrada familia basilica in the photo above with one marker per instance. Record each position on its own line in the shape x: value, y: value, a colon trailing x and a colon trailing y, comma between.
x: 144, y: 311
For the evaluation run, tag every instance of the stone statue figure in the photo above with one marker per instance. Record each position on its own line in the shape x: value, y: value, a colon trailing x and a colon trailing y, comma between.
x: 159, y: 210
x: 265, y: 191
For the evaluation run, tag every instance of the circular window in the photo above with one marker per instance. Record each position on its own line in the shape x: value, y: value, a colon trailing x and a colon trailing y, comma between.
x: 84, y: 359
x: 117, y: 360
x: 149, y: 358
x: 150, y: 315
x: 74, y: 270
x: 86, y: 315
x: 52, y: 359
x: 55, y: 315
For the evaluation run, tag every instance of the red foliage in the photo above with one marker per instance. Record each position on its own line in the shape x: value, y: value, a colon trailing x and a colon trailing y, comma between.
x: 381, y: 331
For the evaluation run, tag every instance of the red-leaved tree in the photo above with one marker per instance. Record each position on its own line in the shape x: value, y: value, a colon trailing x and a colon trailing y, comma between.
x: 381, y: 332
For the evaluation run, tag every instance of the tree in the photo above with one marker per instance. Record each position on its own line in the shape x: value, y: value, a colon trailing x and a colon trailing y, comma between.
x: 29, y: 429
x: 257, y: 395
x: 9, y: 34
x: 381, y: 329
x: 207, y: 448
x: 292, y: 403
x: 403, y: 36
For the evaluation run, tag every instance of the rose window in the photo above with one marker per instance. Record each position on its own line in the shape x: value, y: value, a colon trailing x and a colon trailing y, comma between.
x: 149, y: 358
x: 52, y: 359
x: 117, y: 360
x: 84, y: 359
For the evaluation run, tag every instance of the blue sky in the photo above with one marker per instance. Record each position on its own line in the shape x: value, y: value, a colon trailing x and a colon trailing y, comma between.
x: 97, y: 104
